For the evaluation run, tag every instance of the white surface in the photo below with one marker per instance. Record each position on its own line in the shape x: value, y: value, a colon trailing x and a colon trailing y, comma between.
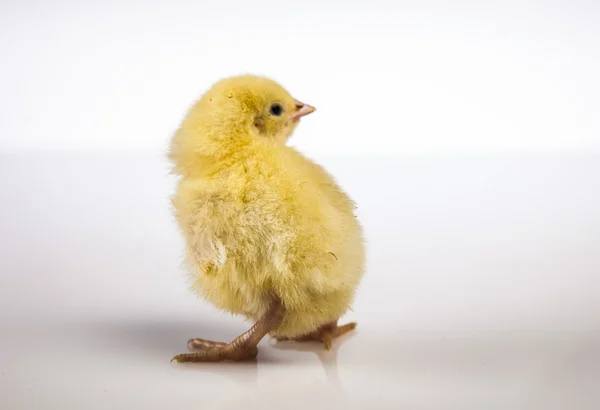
x: 482, y: 290
x: 411, y: 75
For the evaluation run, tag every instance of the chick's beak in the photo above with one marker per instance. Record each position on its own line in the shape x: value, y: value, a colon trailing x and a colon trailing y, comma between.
x: 302, y: 110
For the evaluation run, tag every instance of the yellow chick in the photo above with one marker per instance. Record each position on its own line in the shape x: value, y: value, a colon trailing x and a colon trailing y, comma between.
x: 269, y: 233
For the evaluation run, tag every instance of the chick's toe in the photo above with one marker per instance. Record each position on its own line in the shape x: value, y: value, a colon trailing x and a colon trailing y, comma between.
x: 326, y: 334
x: 204, y: 344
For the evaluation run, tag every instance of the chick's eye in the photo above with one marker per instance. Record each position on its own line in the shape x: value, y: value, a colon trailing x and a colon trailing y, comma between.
x: 276, y: 109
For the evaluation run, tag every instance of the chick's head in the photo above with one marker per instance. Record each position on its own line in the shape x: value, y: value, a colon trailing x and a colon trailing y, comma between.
x: 236, y: 110
x: 259, y: 105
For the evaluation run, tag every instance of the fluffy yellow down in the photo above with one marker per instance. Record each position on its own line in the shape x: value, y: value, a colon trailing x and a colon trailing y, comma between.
x: 259, y: 219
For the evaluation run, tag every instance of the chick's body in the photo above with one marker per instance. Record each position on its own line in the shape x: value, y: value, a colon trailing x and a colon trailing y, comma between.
x: 260, y: 220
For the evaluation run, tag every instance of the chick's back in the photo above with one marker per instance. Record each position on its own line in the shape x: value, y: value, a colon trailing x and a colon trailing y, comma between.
x: 272, y: 223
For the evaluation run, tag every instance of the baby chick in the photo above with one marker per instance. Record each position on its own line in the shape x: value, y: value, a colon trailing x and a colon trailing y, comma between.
x: 269, y: 233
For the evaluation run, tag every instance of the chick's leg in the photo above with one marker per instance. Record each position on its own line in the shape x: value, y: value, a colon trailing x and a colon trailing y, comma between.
x: 243, y: 347
x: 325, y: 334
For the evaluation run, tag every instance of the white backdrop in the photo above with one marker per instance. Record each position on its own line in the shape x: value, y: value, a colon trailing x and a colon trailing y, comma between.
x: 453, y: 128
x: 386, y: 76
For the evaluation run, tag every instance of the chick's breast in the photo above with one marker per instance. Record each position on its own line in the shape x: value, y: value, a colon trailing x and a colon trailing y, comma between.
x: 280, y: 228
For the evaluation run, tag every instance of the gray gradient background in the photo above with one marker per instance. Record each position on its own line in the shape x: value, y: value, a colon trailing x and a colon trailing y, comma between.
x: 468, y: 135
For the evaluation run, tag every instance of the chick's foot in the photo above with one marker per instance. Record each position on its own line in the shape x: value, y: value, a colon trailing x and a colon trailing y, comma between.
x: 243, y: 347
x: 215, y: 353
x: 325, y: 334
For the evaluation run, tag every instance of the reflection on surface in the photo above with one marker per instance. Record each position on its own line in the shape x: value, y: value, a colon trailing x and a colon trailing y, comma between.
x: 124, y: 364
x: 328, y: 359
x: 284, y: 375
x: 290, y: 378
